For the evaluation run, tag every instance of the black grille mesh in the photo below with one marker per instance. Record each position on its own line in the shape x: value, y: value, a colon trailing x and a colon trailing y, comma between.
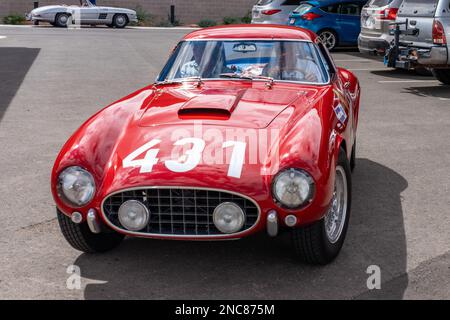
x: 178, y: 211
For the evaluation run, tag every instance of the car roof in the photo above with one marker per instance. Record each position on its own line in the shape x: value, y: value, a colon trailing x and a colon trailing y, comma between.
x: 321, y: 3
x: 252, y: 31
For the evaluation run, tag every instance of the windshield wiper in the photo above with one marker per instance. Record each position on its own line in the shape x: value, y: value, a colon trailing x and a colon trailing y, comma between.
x: 248, y: 77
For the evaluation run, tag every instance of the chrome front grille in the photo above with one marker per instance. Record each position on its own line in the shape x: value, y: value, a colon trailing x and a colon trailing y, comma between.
x: 179, y: 211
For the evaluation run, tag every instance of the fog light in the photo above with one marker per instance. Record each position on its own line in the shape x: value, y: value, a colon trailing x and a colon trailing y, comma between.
x: 290, y: 220
x: 228, y: 217
x: 77, y: 217
x: 133, y: 215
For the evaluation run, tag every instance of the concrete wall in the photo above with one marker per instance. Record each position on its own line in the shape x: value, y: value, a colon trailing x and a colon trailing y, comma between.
x: 187, y: 11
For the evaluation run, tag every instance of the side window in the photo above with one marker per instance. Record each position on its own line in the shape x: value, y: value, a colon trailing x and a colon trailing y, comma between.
x: 334, y: 9
x: 350, y: 9
x: 291, y: 3
x: 328, y: 64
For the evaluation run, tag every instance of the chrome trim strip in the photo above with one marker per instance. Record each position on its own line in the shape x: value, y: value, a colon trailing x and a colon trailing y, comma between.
x: 92, y: 221
x: 179, y: 236
x: 272, y: 223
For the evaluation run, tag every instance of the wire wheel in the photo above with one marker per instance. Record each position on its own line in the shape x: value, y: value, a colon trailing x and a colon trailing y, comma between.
x: 336, y: 216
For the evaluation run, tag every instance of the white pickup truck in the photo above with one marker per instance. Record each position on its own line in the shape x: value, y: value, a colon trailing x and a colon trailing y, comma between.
x: 421, y: 37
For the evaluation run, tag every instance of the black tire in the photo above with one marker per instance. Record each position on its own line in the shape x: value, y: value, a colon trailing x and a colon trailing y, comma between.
x: 311, y: 243
x: 323, y: 32
x: 60, y: 18
x: 80, y: 237
x: 443, y: 75
x: 120, y: 21
x: 353, y: 157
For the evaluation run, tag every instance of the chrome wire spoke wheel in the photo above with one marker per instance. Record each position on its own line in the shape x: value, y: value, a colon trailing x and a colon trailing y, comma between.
x: 336, y: 216
x: 328, y: 39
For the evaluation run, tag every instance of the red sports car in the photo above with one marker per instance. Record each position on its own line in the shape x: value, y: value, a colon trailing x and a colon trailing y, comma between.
x: 247, y: 129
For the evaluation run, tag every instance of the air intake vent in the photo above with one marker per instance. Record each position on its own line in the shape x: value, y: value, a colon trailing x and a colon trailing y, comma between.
x: 204, y: 113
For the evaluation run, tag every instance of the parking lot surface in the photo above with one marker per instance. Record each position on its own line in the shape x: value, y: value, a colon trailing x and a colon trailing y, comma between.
x: 52, y: 80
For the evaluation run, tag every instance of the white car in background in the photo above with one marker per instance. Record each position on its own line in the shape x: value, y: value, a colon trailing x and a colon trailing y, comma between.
x: 273, y: 11
x: 85, y: 13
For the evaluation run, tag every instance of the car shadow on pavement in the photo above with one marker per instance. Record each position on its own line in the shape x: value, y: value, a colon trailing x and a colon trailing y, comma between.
x: 14, y: 66
x: 259, y: 267
x: 437, y: 91
x: 400, y: 74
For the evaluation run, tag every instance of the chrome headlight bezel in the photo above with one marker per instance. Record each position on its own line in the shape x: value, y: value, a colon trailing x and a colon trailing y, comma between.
x: 71, y: 201
x: 301, y: 174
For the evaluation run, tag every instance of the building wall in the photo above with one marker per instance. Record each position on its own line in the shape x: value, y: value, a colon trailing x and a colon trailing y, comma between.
x: 187, y: 11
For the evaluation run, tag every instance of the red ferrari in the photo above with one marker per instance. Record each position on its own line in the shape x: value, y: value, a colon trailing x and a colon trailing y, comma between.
x: 247, y: 129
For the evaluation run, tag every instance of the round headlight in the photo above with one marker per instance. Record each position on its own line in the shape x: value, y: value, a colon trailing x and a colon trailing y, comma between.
x: 293, y: 188
x: 228, y: 217
x: 76, y: 186
x: 133, y: 215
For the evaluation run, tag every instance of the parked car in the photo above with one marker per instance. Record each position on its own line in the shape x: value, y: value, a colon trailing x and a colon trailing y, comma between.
x: 423, y: 30
x: 86, y: 13
x: 376, y: 17
x: 176, y: 159
x: 273, y: 11
x: 337, y: 22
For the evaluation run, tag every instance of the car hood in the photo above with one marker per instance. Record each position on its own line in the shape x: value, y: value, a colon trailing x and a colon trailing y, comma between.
x: 244, y: 107
x: 48, y: 8
x: 284, y: 120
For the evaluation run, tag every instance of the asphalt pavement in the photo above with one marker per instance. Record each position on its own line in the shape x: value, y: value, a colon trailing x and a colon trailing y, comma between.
x: 52, y: 80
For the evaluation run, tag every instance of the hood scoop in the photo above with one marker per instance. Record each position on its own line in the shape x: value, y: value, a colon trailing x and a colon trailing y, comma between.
x: 211, y: 104
x: 250, y: 107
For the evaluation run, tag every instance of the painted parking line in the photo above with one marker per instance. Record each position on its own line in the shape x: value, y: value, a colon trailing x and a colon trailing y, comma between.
x: 407, y: 81
x: 163, y: 28
x: 367, y: 69
x: 2, y: 37
x: 355, y: 60
x: 129, y: 27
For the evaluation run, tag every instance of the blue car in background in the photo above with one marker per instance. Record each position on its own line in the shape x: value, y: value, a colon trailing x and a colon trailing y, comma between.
x: 337, y: 22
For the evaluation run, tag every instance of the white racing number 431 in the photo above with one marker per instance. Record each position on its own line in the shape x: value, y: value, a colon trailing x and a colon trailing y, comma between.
x: 192, y: 156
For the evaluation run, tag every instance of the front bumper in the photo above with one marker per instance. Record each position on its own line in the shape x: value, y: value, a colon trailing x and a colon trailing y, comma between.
x: 34, y: 17
x: 372, y: 45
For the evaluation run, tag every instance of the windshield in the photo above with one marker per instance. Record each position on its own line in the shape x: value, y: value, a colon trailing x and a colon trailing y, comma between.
x: 86, y: 3
x: 379, y: 3
x: 303, y: 8
x: 297, y: 61
x: 263, y: 2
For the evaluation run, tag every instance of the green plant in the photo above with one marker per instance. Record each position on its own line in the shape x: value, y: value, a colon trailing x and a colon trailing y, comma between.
x: 144, y: 18
x: 247, y: 18
x: 14, y: 19
x: 231, y: 20
x: 207, y: 23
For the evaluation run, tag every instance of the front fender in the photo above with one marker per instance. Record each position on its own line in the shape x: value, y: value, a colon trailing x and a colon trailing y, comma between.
x: 93, y: 144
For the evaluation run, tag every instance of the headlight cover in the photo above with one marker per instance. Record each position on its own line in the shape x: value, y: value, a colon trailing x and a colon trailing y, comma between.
x: 293, y: 188
x: 76, y: 186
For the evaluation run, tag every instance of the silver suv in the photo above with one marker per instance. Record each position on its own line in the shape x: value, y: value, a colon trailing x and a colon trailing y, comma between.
x: 273, y: 11
x: 376, y: 16
x: 422, y: 35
